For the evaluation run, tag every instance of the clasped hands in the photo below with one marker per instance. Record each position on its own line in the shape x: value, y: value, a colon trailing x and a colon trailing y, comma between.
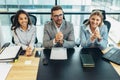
x: 96, y: 35
x: 59, y: 38
x: 28, y: 51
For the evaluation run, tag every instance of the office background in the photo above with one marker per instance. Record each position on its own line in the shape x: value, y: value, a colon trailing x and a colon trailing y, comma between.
x: 75, y: 11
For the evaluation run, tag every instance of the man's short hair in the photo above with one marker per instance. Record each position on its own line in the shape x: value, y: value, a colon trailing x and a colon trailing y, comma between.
x: 56, y: 8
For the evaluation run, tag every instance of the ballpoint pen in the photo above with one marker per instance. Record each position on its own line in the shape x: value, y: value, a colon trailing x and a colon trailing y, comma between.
x: 1, y: 50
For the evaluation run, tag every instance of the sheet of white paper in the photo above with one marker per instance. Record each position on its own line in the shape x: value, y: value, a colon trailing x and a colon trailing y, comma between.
x: 27, y: 62
x: 9, y: 52
x: 58, y: 54
x: 4, y: 70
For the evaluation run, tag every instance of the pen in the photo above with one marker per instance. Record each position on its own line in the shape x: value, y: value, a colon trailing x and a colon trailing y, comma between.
x: 1, y: 50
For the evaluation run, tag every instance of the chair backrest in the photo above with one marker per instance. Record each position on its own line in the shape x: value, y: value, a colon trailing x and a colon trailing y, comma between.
x: 33, y: 20
x: 107, y: 23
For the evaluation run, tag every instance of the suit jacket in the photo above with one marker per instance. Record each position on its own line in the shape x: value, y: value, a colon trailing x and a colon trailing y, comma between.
x: 50, y: 32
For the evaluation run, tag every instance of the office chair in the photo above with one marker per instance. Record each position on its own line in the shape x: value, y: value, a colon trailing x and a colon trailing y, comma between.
x: 107, y: 23
x: 33, y: 20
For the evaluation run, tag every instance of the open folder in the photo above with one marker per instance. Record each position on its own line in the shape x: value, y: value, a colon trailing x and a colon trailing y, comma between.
x: 10, y: 53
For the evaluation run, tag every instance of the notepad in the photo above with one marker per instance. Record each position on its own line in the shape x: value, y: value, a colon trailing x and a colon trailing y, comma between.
x: 58, y: 54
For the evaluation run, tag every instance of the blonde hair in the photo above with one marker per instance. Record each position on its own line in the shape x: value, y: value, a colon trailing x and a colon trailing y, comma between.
x: 98, y: 13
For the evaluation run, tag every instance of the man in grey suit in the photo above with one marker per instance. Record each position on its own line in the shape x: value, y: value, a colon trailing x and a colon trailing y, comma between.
x: 58, y: 32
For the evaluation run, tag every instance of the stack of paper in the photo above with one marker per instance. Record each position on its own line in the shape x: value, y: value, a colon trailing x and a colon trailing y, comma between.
x: 9, y: 53
x: 58, y: 54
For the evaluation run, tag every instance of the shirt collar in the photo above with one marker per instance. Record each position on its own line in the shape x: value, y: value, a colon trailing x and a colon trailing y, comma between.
x: 58, y: 29
x: 27, y: 29
x: 88, y: 28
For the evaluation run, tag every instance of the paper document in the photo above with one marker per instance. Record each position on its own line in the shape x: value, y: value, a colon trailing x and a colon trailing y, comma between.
x: 58, y: 54
x: 9, y: 52
x: 4, y: 70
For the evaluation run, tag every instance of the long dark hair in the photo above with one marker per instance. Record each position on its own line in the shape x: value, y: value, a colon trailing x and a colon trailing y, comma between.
x: 16, y: 24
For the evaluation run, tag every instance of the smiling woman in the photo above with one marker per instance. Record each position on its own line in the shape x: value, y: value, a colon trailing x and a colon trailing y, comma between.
x: 24, y: 32
x: 23, y: 21
x: 94, y: 33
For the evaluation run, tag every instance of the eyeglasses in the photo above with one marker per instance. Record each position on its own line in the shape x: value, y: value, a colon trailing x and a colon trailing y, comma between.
x: 56, y: 16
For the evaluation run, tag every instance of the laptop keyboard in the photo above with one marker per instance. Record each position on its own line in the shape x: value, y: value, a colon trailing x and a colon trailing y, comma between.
x: 112, y: 51
x: 114, y: 55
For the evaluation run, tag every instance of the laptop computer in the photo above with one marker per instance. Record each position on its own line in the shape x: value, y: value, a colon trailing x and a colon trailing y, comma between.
x: 113, y: 55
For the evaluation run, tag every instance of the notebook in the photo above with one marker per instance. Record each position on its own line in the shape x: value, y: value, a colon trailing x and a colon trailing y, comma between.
x: 113, y: 55
x: 87, y: 60
x: 86, y: 56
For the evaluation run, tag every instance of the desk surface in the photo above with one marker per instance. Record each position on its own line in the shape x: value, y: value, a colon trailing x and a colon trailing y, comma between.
x: 72, y: 69
x: 22, y: 71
